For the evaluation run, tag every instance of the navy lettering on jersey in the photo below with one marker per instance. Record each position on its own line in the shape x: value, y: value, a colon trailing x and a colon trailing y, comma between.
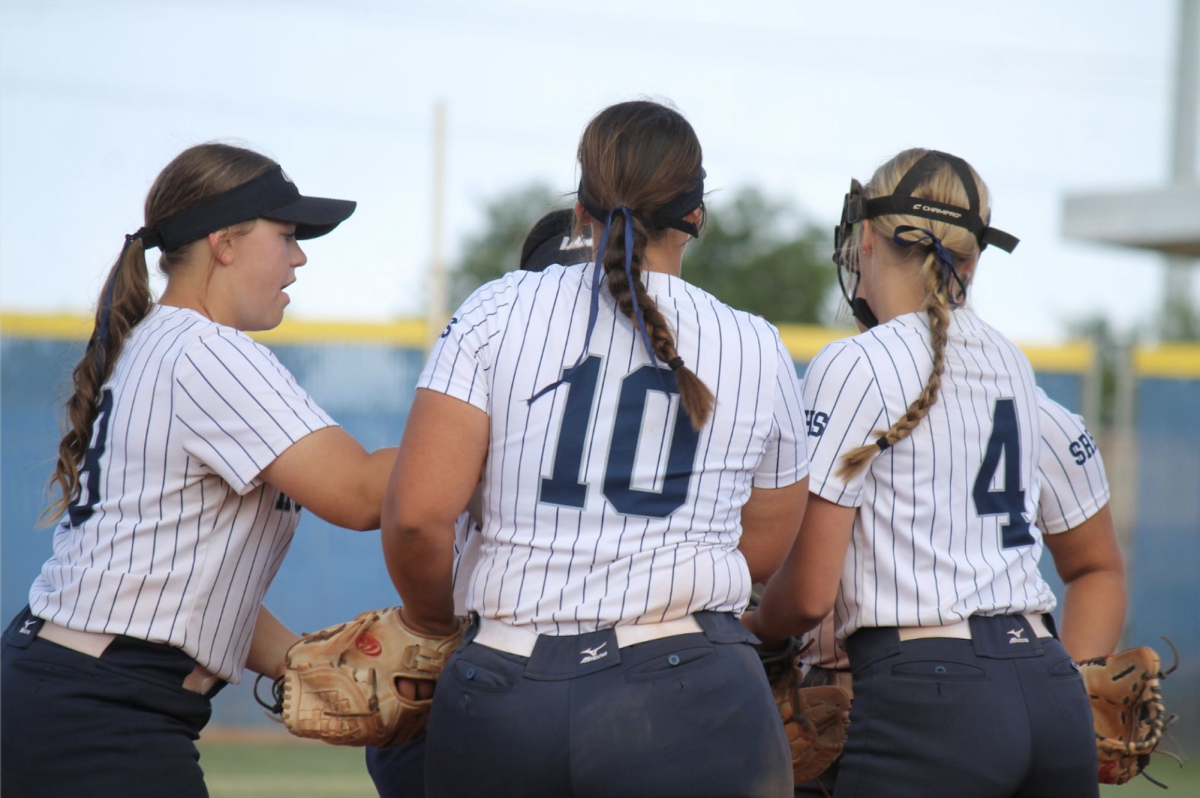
x: 287, y: 504
x: 816, y: 422
x: 1084, y: 448
x: 83, y: 507
x: 681, y: 455
x: 566, y: 486
x: 1010, y: 499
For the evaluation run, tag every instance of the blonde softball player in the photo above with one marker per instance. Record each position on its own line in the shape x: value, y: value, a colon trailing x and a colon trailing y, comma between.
x: 920, y: 535
x: 1074, y: 496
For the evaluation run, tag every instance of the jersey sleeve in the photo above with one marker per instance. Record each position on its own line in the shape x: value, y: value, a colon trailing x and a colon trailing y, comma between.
x: 238, y: 408
x: 1074, y: 485
x: 844, y: 410
x: 785, y: 457
x: 460, y: 363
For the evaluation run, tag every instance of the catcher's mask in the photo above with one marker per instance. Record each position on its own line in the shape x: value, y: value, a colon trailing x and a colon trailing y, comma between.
x: 856, y: 207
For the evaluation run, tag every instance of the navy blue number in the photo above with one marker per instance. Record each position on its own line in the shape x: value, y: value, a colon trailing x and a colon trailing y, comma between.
x: 1010, y: 499
x: 565, y: 486
x: 83, y: 507
x: 618, y: 475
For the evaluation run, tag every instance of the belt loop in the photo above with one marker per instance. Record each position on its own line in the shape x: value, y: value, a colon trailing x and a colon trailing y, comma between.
x: 871, y: 644
x: 723, y: 627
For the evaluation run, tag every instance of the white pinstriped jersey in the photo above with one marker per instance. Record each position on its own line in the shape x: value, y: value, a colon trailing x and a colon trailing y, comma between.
x: 1074, y: 487
x: 174, y: 538
x: 946, y: 525
x: 592, y: 515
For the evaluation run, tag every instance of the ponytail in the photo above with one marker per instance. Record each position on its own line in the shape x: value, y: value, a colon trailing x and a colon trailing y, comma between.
x: 694, y: 396
x: 124, y: 301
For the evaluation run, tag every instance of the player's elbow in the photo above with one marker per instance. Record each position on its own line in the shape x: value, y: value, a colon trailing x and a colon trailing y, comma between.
x: 792, y: 612
x: 363, y: 522
x: 809, y: 610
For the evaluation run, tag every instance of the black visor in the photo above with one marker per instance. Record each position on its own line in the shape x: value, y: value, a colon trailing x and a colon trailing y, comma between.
x: 271, y: 195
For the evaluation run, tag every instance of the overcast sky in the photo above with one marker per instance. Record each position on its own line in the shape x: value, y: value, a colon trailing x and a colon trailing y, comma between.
x: 1043, y: 98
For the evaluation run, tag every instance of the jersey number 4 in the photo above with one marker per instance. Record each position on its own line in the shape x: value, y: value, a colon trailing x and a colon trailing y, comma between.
x: 89, y: 476
x: 1009, y: 500
x: 565, y: 486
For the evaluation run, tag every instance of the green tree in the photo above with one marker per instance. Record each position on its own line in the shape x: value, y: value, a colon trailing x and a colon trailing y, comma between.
x: 496, y: 249
x: 760, y: 255
x: 756, y: 253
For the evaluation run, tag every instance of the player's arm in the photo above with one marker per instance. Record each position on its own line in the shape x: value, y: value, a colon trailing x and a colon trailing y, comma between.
x: 802, y: 591
x: 1088, y: 559
x: 770, y: 520
x: 269, y: 644
x: 1073, y: 511
x: 441, y: 459
x: 331, y: 474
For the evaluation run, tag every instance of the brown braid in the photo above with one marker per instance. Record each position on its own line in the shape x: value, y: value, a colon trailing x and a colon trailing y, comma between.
x: 937, y: 306
x: 694, y: 395
x: 642, y: 155
x: 195, y: 175
x: 943, y: 185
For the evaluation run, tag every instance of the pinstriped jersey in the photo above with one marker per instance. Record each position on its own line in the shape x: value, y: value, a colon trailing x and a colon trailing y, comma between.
x: 602, y: 505
x: 175, y: 538
x: 946, y: 521
x: 1074, y: 487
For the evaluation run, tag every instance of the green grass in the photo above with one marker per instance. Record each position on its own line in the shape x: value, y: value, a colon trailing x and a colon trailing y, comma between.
x: 1180, y: 782
x: 262, y: 767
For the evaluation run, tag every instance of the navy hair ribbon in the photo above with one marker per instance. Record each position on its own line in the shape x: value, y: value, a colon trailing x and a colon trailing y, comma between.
x: 594, y: 305
x: 943, y: 256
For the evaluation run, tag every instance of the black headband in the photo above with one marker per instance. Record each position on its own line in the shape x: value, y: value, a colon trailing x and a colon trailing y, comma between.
x: 271, y: 195
x: 901, y: 201
x: 669, y: 215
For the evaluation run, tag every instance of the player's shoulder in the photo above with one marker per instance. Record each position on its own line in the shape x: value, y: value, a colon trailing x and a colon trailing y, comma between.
x: 187, y: 338
x: 872, y: 345
x: 687, y: 297
x: 512, y: 290
x: 1057, y: 420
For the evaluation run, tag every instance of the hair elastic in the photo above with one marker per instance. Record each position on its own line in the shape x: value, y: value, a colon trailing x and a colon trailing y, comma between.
x: 882, y: 443
x: 944, y: 257
x: 675, y: 363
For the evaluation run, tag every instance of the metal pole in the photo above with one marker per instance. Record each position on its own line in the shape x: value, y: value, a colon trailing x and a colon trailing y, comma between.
x: 436, y: 301
x: 1178, y: 283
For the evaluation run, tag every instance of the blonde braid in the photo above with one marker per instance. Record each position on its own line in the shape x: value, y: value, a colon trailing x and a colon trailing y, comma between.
x: 937, y: 306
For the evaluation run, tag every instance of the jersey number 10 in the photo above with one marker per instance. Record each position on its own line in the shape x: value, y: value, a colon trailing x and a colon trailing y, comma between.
x: 565, y: 487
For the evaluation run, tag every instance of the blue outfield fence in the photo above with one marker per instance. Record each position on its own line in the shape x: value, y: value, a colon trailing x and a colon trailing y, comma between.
x: 364, y: 376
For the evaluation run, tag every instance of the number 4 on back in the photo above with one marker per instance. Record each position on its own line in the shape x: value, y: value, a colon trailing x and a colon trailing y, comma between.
x: 1010, y: 499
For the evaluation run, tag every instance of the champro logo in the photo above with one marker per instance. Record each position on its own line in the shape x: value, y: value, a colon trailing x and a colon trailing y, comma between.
x: 932, y: 209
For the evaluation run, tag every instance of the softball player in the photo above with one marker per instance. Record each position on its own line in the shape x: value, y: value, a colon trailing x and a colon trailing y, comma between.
x: 921, y: 534
x: 641, y: 455
x: 1074, y: 494
x: 188, y: 454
